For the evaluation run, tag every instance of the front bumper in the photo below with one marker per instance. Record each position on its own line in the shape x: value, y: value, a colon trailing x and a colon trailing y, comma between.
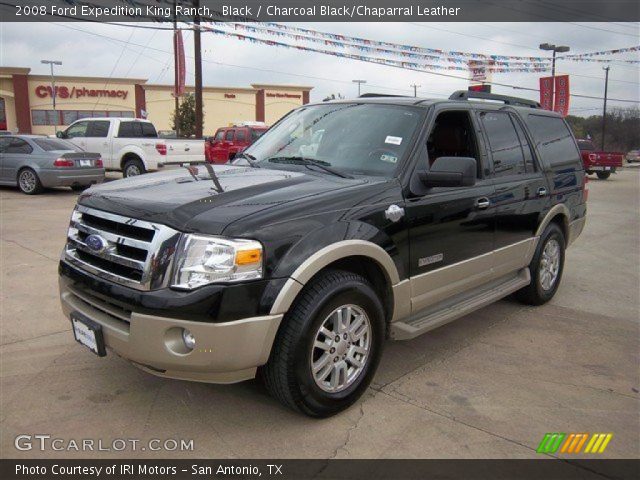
x: 68, y: 177
x: 225, y: 352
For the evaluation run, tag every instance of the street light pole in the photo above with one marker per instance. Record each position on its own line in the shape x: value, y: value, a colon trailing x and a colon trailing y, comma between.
x: 415, y: 89
x: 51, y: 63
x: 359, y: 82
x: 555, y: 49
x: 604, y: 108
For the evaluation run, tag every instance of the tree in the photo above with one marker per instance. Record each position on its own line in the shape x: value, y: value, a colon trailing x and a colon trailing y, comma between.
x: 623, y: 129
x: 186, y: 116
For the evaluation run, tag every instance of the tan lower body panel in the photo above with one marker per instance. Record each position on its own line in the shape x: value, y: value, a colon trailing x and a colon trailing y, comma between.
x: 433, y: 287
x: 575, y: 229
x: 224, y: 353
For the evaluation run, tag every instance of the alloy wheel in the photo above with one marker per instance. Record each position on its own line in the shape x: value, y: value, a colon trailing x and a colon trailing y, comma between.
x: 341, y: 348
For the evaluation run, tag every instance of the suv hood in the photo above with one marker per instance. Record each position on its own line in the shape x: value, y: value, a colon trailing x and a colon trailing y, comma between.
x: 194, y: 203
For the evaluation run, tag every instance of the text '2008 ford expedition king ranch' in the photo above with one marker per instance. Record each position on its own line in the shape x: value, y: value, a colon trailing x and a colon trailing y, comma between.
x: 410, y: 213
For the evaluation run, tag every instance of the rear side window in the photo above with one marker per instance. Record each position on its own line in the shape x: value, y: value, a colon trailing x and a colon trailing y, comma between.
x: 17, y: 145
x: 98, y: 128
x: 241, y: 135
x: 148, y: 130
x: 554, y: 140
x: 256, y: 134
x: 508, y: 157
x: 128, y: 130
x: 229, y: 135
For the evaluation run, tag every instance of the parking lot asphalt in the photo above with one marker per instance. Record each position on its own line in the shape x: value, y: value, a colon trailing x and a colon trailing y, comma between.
x: 489, y: 385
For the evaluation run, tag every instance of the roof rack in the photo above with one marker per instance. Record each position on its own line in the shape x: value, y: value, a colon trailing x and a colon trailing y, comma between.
x: 507, y: 100
x: 379, y: 95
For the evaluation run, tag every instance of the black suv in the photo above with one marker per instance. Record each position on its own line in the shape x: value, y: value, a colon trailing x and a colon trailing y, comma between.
x: 345, y: 224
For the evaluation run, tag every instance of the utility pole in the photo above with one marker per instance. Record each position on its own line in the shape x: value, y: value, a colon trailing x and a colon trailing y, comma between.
x: 51, y: 63
x: 415, y: 89
x: 198, y: 70
x: 604, y: 108
x: 175, y: 68
x: 555, y: 49
x: 359, y: 82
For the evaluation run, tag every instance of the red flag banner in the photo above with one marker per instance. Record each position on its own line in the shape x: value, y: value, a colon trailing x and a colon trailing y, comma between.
x: 178, y: 46
x: 546, y: 92
x: 561, y: 93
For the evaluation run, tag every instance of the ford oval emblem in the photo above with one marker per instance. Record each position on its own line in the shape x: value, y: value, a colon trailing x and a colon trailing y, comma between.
x: 96, y: 243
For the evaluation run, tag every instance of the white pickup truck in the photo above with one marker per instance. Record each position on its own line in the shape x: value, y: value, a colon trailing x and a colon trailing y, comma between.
x: 131, y: 145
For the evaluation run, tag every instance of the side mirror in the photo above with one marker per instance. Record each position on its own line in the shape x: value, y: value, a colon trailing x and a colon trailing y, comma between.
x: 450, y: 172
x: 61, y: 134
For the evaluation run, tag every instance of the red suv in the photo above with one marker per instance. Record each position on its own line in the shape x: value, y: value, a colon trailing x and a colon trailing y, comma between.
x: 229, y: 141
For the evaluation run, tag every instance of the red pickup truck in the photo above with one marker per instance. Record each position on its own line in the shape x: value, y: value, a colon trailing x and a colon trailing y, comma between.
x: 602, y: 164
x: 229, y: 141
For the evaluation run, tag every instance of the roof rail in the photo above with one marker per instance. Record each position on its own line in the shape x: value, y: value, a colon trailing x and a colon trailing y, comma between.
x: 507, y: 100
x: 379, y: 95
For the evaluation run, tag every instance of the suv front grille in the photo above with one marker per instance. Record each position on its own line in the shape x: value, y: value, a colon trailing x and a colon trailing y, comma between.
x: 125, y: 250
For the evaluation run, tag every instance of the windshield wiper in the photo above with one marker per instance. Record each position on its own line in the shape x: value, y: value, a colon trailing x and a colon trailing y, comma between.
x: 309, y: 162
x: 251, y: 160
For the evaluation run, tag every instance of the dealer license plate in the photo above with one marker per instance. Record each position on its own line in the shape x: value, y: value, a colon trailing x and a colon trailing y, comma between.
x: 88, y: 333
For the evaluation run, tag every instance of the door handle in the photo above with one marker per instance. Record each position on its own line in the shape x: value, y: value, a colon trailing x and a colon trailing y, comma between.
x: 482, y: 203
x: 542, y: 192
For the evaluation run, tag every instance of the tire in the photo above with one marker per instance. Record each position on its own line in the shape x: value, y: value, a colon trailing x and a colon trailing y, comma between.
x: 79, y: 188
x: 288, y: 374
x: 541, y: 289
x: 589, y: 172
x: 133, y: 167
x: 603, y: 175
x: 29, y: 182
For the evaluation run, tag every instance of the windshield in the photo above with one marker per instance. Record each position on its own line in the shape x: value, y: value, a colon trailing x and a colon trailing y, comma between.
x: 52, y: 144
x: 361, y: 139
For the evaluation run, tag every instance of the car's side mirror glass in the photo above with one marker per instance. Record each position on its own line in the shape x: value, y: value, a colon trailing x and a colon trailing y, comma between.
x: 450, y: 172
x: 61, y: 134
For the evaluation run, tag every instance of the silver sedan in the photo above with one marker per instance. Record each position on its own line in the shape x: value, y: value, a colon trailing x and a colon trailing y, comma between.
x: 34, y: 162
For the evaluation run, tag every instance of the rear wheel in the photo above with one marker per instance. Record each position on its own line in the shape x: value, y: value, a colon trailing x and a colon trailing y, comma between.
x: 329, y: 345
x: 546, y: 268
x: 133, y: 167
x: 28, y: 182
x: 603, y: 175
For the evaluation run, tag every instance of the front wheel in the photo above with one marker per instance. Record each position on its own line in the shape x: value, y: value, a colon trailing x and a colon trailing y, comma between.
x: 546, y: 268
x: 603, y: 175
x: 329, y: 345
x: 133, y: 168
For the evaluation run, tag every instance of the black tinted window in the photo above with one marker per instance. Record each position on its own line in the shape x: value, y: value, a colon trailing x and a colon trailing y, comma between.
x: 219, y: 135
x: 241, y: 135
x: 229, y: 135
x: 526, y: 148
x: 98, y: 129
x: 256, y: 134
x: 18, y: 146
x: 586, y: 145
x: 553, y: 139
x: 504, y: 143
x: 130, y: 130
x: 148, y: 130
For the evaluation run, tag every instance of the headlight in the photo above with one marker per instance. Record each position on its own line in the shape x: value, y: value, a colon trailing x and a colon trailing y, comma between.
x: 201, y: 260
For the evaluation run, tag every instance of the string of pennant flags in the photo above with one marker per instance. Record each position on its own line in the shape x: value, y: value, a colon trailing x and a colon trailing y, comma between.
x: 375, y: 49
x: 415, y: 65
x: 615, y: 51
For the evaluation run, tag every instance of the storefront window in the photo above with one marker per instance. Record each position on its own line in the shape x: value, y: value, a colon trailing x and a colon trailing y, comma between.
x: 45, y: 117
x: 67, y: 117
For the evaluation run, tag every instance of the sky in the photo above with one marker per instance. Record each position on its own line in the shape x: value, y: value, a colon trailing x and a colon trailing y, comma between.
x: 106, y: 50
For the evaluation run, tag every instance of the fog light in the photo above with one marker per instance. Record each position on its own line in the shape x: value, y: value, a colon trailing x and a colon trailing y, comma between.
x: 188, y: 339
